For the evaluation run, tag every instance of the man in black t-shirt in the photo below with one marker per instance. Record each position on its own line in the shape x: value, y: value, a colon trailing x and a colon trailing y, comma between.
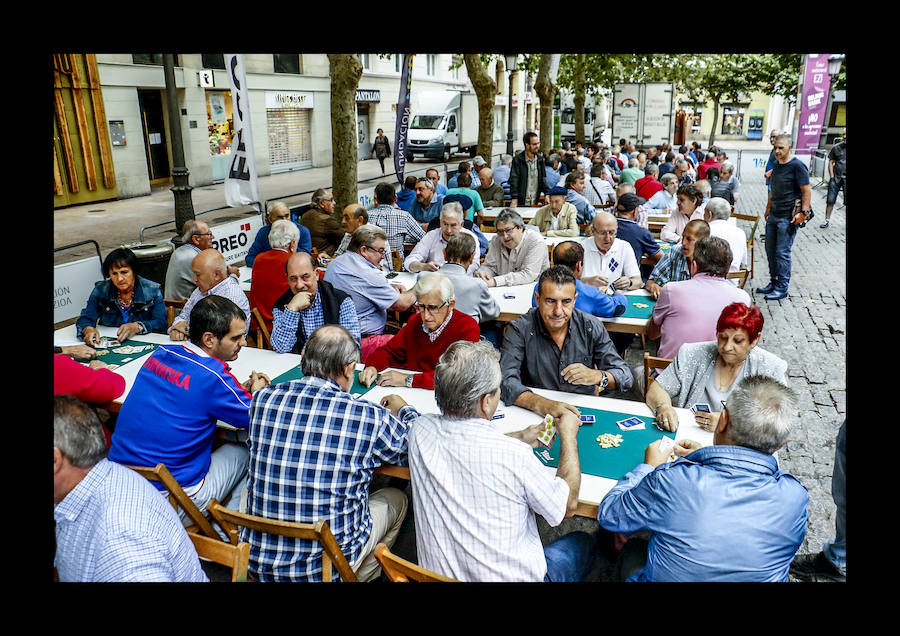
x: 837, y: 171
x: 788, y: 206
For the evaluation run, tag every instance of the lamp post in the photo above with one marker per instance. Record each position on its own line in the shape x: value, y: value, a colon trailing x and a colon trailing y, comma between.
x: 834, y: 67
x: 184, y: 205
x: 511, y: 61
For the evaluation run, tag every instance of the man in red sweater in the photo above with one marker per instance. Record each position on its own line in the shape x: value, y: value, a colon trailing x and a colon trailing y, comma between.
x: 423, y: 339
x: 709, y: 162
x: 269, y: 274
x: 649, y: 184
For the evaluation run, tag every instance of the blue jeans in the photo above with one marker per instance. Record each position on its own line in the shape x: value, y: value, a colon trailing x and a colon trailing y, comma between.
x: 836, y: 549
x: 570, y: 558
x: 780, y: 234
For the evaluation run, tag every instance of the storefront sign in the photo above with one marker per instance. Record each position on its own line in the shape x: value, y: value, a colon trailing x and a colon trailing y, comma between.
x: 500, y: 100
x: 234, y: 239
x: 207, y: 79
x: 368, y: 95
x: 816, y: 84
x: 240, y: 182
x: 289, y: 99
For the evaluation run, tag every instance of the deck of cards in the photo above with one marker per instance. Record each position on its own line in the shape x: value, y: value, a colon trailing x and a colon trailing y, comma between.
x: 633, y: 423
x: 700, y: 407
x: 106, y: 343
x: 548, y: 434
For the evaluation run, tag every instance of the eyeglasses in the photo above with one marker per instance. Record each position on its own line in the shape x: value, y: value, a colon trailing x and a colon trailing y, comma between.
x: 507, y: 232
x: 431, y: 309
x: 203, y: 234
x: 382, y: 251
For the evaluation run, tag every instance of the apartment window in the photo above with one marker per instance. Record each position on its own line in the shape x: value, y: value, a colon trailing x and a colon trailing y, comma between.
x: 213, y: 60
x: 287, y: 63
x: 364, y: 60
x: 147, y: 58
x: 429, y: 64
x: 398, y: 62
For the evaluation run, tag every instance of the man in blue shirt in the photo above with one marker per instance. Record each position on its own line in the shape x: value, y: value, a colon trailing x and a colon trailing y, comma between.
x: 640, y: 239
x: 552, y: 171
x: 427, y: 204
x: 435, y: 176
x: 589, y: 299
x: 789, y: 186
x: 407, y: 194
x: 277, y: 211
x: 718, y: 513
x: 574, y: 189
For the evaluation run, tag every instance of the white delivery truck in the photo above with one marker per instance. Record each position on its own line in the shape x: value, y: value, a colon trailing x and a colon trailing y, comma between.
x: 567, y: 117
x: 643, y: 113
x: 444, y: 122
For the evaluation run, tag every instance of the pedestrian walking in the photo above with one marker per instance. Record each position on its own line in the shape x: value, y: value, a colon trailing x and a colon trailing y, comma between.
x: 381, y: 148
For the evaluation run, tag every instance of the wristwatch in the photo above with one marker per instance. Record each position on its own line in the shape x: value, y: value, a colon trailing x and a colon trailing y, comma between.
x: 605, y: 381
x: 409, y: 381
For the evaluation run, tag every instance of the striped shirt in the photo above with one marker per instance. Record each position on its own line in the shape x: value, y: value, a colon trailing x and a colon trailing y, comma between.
x: 229, y: 288
x: 114, y: 526
x: 313, y: 450
x: 671, y: 267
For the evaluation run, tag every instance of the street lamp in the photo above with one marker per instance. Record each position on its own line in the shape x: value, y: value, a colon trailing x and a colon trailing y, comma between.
x: 511, y: 61
x: 184, y: 205
x: 834, y: 67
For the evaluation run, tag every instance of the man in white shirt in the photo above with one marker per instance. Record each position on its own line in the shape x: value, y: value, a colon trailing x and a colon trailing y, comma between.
x: 717, y: 213
x: 428, y: 254
x: 598, y: 191
x: 476, y: 491
x: 608, y: 260
x: 515, y: 257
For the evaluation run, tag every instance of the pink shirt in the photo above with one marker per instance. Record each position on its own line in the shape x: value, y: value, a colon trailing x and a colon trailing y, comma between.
x: 674, y: 227
x: 688, y: 310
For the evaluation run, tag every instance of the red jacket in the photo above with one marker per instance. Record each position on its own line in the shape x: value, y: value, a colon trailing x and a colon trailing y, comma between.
x: 411, y: 349
x: 269, y: 282
x: 646, y: 187
x: 94, y: 386
x: 706, y: 165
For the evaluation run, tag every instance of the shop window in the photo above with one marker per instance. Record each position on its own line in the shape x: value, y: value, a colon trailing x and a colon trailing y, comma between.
x: 430, y: 64
x: 732, y: 120
x: 364, y: 60
x: 213, y: 60
x: 147, y: 58
x: 220, y: 120
x: 838, y: 115
x: 287, y: 63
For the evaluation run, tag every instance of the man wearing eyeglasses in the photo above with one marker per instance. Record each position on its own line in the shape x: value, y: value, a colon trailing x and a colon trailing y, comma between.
x: 196, y: 237
x: 609, y: 260
x: 428, y: 254
x: 515, y: 257
x: 325, y: 231
x: 427, y: 204
x: 357, y: 273
x: 422, y: 341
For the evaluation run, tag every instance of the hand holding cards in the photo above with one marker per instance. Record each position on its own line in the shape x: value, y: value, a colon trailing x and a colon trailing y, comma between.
x: 548, y: 434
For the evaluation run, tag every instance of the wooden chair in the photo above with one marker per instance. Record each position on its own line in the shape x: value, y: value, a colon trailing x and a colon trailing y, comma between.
x: 396, y: 260
x: 263, y: 338
x: 652, y: 362
x: 235, y: 557
x: 401, y: 571
x: 743, y: 274
x: 173, y: 308
x: 751, y: 241
x: 332, y: 556
x: 178, y: 498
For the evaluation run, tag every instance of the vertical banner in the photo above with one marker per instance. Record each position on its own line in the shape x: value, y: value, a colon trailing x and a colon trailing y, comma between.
x: 401, y: 130
x: 240, y: 182
x: 816, y: 84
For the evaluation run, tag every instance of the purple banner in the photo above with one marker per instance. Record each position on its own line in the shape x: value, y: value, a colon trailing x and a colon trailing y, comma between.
x: 816, y: 86
x: 401, y: 129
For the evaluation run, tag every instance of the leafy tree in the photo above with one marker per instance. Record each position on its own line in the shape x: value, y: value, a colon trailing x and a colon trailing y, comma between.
x: 345, y: 70
x: 545, y: 86
x: 485, y: 90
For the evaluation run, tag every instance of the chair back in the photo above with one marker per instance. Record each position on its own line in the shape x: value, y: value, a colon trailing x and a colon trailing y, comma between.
x: 173, y: 308
x: 178, y: 498
x: 751, y: 235
x: 263, y: 338
x: 652, y: 362
x: 396, y: 260
x: 742, y: 274
x: 332, y: 555
x: 235, y: 557
x: 400, y: 570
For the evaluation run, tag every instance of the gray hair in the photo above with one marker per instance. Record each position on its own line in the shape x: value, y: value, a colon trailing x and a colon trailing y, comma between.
x: 466, y: 372
x: 668, y: 178
x: 704, y: 186
x: 328, y: 352
x: 429, y: 281
x: 633, y: 162
x: 681, y: 162
x: 486, y: 170
x: 365, y: 235
x: 727, y: 166
x: 651, y: 168
x: 786, y: 138
x: 318, y: 195
x: 760, y: 413
x: 509, y: 216
x: 77, y: 432
x: 713, y: 256
x: 274, y: 205
x: 460, y: 247
x: 190, y: 229
x: 505, y: 159
x: 454, y: 208
x: 718, y: 208
x: 283, y: 232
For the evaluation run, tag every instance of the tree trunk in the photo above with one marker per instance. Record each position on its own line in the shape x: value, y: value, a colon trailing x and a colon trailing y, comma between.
x: 715, y: 121
x: 485, y: 90
x: 345, y: 71
x: 545, y: 87
x: 579, y: 98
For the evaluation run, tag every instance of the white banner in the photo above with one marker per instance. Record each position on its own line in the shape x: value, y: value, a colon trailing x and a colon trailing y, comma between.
x: 72, y: 285
x: 240, y: 181
x: 234, y: 239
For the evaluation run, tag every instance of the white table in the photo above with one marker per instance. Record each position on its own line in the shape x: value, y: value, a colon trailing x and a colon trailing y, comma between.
x: 593, y: 488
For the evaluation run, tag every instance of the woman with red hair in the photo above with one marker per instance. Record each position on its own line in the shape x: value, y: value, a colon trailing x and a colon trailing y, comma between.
x: 705, y: 372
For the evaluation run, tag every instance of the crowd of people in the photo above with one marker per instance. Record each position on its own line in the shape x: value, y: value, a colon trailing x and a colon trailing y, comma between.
x: 313, y: 447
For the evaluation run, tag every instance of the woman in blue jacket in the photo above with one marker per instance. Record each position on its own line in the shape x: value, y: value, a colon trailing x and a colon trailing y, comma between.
x: 124, y: 300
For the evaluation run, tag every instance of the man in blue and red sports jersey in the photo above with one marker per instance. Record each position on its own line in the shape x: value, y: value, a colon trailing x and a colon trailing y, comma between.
x: 170, y: 414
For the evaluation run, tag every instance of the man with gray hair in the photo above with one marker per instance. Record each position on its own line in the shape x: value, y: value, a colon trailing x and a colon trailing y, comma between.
x: 476, y: 491
x: 717, y: 513
x: 490, y: 191
x: 632, y: 173
x: 278, y: 210
x: 727, y: 186
x: 471, y: 293
x: 422, y: 340
x: 111, y: 524
x: 313, y: 452
x: 428, y: 254
x: 269, y: 282
x: 212, y: 279
x: 717, y: 213
x: 196, y: 237
x: 427, y: 203
x: 325, y: 230
x: 353, y: 216
x: 649, y: 184
x: 514, y: 257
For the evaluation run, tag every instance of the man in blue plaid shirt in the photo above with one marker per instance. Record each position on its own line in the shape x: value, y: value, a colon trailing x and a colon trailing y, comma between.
x: 399, y: 225
x: 313, y: 451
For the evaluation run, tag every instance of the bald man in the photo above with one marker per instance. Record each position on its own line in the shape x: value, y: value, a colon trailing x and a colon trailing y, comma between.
x: 212, y: 279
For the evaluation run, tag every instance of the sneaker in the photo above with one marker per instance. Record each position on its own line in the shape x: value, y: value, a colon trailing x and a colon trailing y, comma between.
x: 815, y: 568
x: 826, y: 224
x: 768, y: 289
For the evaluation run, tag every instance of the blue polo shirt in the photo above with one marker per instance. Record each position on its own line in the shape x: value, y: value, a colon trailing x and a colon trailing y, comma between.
x: 366, y: 284
x: 592, y: 301
x: 424, y: 215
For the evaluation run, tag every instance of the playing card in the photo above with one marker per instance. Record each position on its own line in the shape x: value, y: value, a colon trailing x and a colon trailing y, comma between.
x: 700, y: 406
x: 666, y: 443
x: 631, y: 424
x: 548, y: 434
x: 588, y: 419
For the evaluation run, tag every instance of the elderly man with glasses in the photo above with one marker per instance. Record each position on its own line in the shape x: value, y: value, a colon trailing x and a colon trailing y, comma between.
x: 515, y: 257
x: 196, y: 237
x: 422, y: 341
x: 428, y: 254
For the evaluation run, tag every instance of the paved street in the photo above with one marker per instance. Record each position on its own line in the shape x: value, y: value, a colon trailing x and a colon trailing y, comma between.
x: 808, y: 329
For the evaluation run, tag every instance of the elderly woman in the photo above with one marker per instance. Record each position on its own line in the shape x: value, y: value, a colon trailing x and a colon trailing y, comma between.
x: 689, y: 200
x: 557, y: 218
x: 665, y: 199
x: 122, y: 299
x: 706, y: 372
x: 420, y: 343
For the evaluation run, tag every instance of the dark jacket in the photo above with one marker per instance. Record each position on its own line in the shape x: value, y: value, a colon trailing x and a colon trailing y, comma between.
x: 518, y: 177
x: 381, y: 148
x: 147, y: 307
